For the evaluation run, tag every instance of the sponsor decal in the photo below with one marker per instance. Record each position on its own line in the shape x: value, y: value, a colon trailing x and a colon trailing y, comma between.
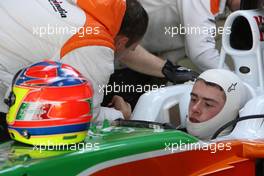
x: 232, y: 87
x: 260, y: 23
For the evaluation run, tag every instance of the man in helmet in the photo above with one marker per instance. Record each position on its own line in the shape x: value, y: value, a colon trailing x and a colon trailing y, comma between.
x: 216, y: 98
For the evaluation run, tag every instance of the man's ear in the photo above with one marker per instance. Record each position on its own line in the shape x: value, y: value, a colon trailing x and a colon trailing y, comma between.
x: 120, y: 42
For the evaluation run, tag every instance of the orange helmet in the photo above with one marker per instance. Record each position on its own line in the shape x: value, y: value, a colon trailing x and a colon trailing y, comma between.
x: 50, y: 104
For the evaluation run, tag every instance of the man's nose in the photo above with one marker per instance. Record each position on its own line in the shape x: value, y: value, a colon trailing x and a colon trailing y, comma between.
x: 196, y: 108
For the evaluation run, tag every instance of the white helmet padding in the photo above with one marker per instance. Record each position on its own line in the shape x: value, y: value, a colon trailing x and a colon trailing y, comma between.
x: 236, y: 97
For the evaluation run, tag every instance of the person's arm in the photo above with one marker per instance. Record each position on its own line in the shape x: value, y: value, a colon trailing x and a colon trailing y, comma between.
x: 143, y: 61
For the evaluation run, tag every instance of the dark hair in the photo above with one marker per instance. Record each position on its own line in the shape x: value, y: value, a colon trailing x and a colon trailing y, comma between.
x: 135, y: 22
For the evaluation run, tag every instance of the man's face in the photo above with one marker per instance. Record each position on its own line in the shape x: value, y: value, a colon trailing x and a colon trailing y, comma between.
x: 121, y: 49
x: 233, y: 5
x: 206, y: 102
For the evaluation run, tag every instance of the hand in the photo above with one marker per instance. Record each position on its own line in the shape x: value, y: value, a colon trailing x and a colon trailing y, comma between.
x: 120, y: 104
x: 178, y: 74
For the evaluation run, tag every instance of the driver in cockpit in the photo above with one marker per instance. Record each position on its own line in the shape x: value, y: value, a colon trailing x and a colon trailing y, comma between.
x: 216, y: 98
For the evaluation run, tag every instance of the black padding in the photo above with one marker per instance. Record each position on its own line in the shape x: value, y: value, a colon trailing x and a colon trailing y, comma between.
x: 241, y: 37
x: 4, y: 135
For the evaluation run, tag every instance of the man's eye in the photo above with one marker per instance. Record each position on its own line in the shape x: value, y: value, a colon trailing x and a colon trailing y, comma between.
x: 208, y: 105
x: 193, y: 99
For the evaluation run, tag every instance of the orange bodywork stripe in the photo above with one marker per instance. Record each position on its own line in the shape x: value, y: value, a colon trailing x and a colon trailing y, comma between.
x: 191, y: 163
x: 250, y: 148
x: 235, y: 161
x: 253, y: 149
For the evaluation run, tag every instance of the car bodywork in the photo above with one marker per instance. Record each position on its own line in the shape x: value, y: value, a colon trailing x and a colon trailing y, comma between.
x: 133, y: 151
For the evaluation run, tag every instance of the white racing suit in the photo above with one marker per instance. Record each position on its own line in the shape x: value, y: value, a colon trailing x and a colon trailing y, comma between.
x: 65, y: 30
x: 183, y: 27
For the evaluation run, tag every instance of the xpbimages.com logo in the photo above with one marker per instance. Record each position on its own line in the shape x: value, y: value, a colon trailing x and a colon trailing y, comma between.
x: 51, y: 146
x: 49, y: 29
x: 125, y: 88
x: 185, y: 146
x: 196, y: 30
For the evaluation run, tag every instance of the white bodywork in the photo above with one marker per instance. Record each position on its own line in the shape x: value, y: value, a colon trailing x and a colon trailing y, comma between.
x: 155, y: 105
x: 252, y: 58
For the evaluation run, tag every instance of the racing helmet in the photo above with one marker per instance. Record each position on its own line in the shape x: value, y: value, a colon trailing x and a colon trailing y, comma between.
x: 236, y: 97
x: 50, y: 104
